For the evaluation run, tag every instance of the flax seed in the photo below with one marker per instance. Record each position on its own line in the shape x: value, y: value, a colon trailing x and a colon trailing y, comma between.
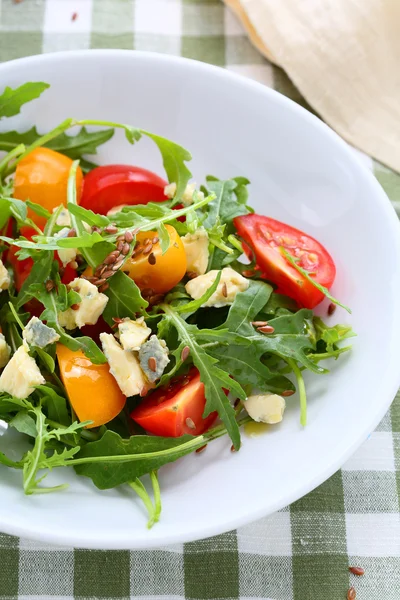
x: 201, y: 449
x: 237, y: 402
x: 152, y: 363
x: 104, y: 287
x: 190, y: 423
x: 100, y: 282
x: 117, y: 320
x: 137, y: 252
x: 224, y: 290
x: 259, y: 323
x: 155, y: 240
x: 108, y: 274
x: 191, y: 274
x: 111, y: 229
x: 148, y: 248
x: 128, y: 237
x: 357, y: 571
x: 152, y: 259
x: 120, y: 245
x: 96, y: 229
x: 125, y: 249
x: 146, y: 241
x: 147, y: 292
x: 185, y: 353
x: 50, y: 285
x: 331, y: 308
x: 233, y: 449
x: 90, y: 279
x: 61, y: 271
x: 71, y: 233
x: 266, y: 329
x: 287, y: 393
x: 74, y: 306
x: 118, y: 264
x: 121, y: 238
x: 351, y: 593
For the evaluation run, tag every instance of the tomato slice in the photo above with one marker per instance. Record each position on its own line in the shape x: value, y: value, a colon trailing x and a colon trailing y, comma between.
x: 114, y: 185
x: 168, y: 410
x: 266, y: 237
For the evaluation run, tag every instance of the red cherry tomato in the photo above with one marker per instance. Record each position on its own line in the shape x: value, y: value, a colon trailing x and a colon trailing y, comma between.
x: 266, y: 237
x: 115, y: 185
x: 22, y: 268
x: 168, y: 411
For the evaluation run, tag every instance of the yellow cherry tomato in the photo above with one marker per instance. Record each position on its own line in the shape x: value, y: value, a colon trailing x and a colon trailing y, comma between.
x: 42, y: 177
x: 92, y: 390
x: 153, y: 270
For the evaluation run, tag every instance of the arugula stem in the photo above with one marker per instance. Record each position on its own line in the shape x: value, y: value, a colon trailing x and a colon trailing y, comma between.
x: 15, y: 315
x: 235, y: 242
x: 325, y: 355
x: 301, y: 389
x: 13, y: 154
x: 141, y: 491
x: 157, y: 495
x: 38, y: 449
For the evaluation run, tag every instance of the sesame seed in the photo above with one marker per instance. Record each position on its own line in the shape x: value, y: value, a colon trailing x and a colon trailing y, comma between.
x: 185, y: 353
x: 152, y: 259
x: 152, y: 363
x: 190, y: 423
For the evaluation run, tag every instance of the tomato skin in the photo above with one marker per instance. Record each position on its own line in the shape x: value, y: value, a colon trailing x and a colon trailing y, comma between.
x: 114, y: 185
x: 165, y: 411
x: 265, y: 237
x: 92, y: 390
x: 42, y: 177
x: 169, y: 268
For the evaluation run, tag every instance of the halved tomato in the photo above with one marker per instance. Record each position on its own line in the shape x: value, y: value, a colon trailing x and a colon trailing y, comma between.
x: 176, y: 409
x: 266, y: 237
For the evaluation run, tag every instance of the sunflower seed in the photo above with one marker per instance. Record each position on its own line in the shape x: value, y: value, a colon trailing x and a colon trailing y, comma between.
x: 185, y: 353
x: 152, y: 364
x: 190, y: 423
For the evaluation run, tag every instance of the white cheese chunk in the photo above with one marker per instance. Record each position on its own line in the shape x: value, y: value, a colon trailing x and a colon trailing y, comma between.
x: 90, y: 308
x: 5, y: 351
x: 38, y: 334
x: 64, y: 218
x: 267, y: 408
x: 66, y: 255
x: 132, y: 334
x: 4, y: 277
x: 188, y: 195
x: 154, y: 349
x: 196, y: 249
x: 230, y: 284
x: 124, y: 366
x: 21, y: 375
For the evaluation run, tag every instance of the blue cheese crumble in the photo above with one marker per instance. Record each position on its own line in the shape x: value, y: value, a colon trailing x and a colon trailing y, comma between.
x: 38, y: 334
x: 153, y: 357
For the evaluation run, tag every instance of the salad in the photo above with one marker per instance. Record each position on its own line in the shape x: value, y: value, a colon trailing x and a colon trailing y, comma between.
x: 142, y: 317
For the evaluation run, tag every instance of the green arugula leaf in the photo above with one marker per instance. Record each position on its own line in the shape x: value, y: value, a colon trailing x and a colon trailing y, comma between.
x: 38, y: 209
x: 40, y: 272
x: 174, y: 158
x: 226, y: 206
x: 194, y: 305
x: 24, y: 423
x: 125, y: 299
x: 331, y: 336
x: 88, y: 216
x: 11, y: 100
x: 214, y: 378
x: 56, y: 406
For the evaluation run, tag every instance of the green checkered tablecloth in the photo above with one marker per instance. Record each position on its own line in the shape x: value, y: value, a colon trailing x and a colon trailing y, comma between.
x: 300, y: 553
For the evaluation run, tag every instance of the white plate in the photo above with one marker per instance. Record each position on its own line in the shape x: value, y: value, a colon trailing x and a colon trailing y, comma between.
x: 301, y: 173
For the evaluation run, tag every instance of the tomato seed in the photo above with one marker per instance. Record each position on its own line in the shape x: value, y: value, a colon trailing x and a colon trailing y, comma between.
x: 266, y: 329
x: 331, y: 308
x: 224, y: 290
x: 351, y: 593
x: 357, y: 571
x: 201, y: 449
x: 152, y: 259
x: 190, y: 423
x: 287, y: 393
x: 185, y: 353
x: 74, y: 306
x: 152, y: 363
